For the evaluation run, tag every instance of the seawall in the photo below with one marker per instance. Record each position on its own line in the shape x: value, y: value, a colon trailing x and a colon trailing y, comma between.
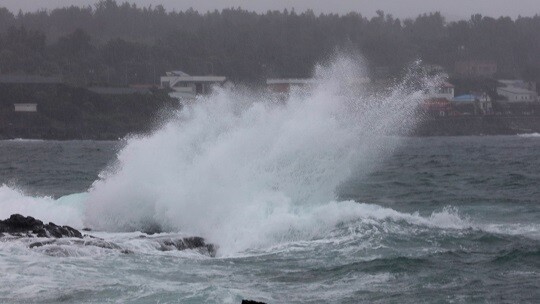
x: 478, y: 125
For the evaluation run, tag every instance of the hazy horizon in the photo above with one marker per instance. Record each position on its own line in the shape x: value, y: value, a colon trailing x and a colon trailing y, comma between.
x: 452, y: 10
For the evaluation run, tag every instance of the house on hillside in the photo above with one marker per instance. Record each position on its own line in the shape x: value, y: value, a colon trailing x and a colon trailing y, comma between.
x: 476, y: 104
x: 517, y: 94
x: 24, y: 93
x: 438, y: 99
x: 518, y: 97
x: 518, y: 83
x: 185, y: 86
x: 444, y: 90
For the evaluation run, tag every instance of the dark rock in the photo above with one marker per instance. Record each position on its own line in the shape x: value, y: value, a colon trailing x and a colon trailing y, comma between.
x: 71, y: 232
x: 17, y: 225
x: 87, y: 229
x: 193, y: 242
x: 187, y: 243
x: 40, y: 232
x: 97, y: 242
x: 251, y: 302
x: 152, y: 228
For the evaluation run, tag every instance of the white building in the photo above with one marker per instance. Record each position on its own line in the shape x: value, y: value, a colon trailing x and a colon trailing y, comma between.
x: 480, y: 102
x: 518, y: 83
x: 187, y: 86
x: 516, y: 94
x: 444, y: 91
x: 25, y: 107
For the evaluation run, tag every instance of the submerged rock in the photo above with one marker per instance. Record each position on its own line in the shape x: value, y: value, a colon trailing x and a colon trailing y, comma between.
x: 43, y: 243
x: 188, y: 243
x: 98, y: 242
x: 152, y: 228
x: 18, y: 225
x: 251, y: 302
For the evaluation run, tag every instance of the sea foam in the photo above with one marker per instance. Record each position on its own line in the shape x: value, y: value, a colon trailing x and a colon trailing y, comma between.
x: 67, y: 210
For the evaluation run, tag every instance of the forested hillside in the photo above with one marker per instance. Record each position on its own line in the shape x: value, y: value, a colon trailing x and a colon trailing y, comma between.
x: 117, y: 44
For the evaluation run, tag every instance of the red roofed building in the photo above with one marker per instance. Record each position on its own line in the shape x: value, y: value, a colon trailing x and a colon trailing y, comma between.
x: 438, y: 101
x: 437, y: 106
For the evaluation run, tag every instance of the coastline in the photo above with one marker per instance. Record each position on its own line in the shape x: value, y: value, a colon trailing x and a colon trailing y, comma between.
x: 71, y: 113
x: 478, y: 125
x: 439, y: 126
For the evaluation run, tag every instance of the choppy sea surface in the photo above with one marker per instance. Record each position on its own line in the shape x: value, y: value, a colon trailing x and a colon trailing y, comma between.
x: 308, y: 198
x: 443, y: 219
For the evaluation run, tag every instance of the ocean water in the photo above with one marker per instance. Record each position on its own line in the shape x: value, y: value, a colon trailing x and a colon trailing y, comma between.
x: 308, y: 200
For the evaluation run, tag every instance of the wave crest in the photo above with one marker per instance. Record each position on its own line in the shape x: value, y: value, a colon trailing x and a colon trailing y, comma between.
x: 236, y: 164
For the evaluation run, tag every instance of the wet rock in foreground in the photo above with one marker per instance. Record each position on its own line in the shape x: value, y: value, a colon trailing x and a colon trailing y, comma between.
x: 18, y: 225
x: 188, y: 243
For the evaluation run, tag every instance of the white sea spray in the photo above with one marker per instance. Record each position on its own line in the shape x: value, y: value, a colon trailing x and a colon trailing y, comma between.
x: 243, y: 170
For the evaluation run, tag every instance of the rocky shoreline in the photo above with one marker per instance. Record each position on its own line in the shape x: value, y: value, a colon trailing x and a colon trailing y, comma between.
x: 18, y: 226
x: 477, y: 125
x: 437, y: 126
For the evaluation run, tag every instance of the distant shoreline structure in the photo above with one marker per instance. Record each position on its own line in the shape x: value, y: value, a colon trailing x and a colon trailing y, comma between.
x: 64, y: 112
x: 525, y: 126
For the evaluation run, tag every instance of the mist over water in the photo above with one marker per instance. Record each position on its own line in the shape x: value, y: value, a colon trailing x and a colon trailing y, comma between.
x: 246, y: 170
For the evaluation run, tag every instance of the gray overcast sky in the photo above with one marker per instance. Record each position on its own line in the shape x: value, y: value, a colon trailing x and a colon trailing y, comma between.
x: 452, y: 9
